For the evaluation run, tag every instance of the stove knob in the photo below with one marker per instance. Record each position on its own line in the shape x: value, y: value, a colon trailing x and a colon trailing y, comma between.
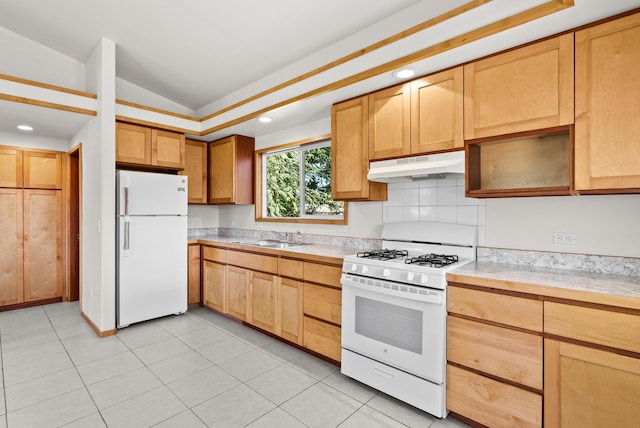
x: 354, y: 267
x: 365, y: 269
x: 386, y: 273
x: 410, y: 276
x: 423, y: 279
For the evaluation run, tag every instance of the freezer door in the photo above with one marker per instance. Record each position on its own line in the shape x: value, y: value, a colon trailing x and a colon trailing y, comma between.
x: 145, y: 193
x: 152, y: 268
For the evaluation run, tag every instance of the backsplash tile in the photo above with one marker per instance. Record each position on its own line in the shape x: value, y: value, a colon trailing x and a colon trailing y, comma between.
x: 440, y: 200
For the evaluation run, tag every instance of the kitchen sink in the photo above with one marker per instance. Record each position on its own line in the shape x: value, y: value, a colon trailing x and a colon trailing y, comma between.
x: 269, y: 243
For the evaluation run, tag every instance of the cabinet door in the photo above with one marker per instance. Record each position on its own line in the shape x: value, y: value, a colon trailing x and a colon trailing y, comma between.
x: 587, y: 387
x: 350, y: 153
x: 195, y: 167
x: 520, y: 90
x: 167, y: 149
x: 263, y: 301
x: 238, y: 292
x: 323, y: 303
x: 322, y: 337
x: 194, y: 274
x: 222, y: 185
x: 289, y: 320
x: 390, y: 122
x: 42, y: 170
x: 214, y: 285
x: 607, y: 153
x: 10, y: 167
x: 43, y: 255
x: 133, y: 144
x: 11, y: 247
x: 436, y: 112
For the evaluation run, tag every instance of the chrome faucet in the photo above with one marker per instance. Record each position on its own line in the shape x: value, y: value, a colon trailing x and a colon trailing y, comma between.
x: 283, y: 236
x: 299, y: 238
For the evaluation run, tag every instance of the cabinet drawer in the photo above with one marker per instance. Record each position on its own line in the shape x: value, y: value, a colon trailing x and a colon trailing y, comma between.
x: 253, y: 261
x: 214, y: 254
x: 490, y: 402
x: 323, y: 274
x: 322, y: 338
x: 323, y: 302
x: 593, y: 325
x: 290, y: 268
x: 499, y: 308
x: 508, y: 354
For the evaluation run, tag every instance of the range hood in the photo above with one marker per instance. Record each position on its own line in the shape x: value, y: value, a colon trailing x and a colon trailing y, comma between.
x: 440, y: 165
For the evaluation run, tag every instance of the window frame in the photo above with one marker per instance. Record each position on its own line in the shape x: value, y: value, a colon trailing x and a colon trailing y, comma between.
x: 260, y: 192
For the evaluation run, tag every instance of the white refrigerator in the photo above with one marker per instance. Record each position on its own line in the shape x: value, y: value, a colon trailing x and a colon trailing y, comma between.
x: 151, y: 279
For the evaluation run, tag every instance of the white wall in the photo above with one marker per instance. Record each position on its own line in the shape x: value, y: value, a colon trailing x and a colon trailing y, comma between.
x: 33, y: 142
x: 201, y: 216
x: 18, y: 53
x: 603, y: 224
x: 98, y: 199
x: 130, y: 92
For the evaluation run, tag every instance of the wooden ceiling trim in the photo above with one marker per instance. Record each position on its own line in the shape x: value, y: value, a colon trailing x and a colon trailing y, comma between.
x: 548, y: 8
x: 361, y: 52
x: 46, y: 104
x: 47, y: 86
x: 156, y: 110
x: 156, y: 125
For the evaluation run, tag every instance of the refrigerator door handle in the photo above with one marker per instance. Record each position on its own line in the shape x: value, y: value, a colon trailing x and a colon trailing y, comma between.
x: 126, y: 201
x: 127, y: 237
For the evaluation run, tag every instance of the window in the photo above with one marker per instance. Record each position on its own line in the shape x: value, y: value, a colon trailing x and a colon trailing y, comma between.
x: 296, y: 184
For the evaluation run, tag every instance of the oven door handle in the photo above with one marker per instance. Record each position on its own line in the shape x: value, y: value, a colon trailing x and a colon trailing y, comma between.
x: 435, y: 297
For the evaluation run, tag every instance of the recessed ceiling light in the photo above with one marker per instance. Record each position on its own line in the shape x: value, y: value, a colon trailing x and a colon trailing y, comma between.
x: 265, y: 119
x: 25, y: 127
x: 404, y: 73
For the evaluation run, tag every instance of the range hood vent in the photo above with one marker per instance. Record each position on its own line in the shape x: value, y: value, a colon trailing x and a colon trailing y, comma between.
x: 440, y: 165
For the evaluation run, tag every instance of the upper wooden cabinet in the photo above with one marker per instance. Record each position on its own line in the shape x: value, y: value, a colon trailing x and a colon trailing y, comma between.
x: 390, y: 122
x: 195, y: 167
x: 607, y: 157
x: 42, y: 170
x: 436, y: 112
x: 142, y: 146
x: 524, y: 89
x: 350, y: 153
x: 31, y: 169
x: 10, y: 167
x: 231, y: 170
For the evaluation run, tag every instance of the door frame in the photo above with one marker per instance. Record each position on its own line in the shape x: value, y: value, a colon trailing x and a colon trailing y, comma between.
x: 74, y: 222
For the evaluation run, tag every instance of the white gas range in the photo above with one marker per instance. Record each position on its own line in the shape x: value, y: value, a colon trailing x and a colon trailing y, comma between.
x: 394, y: 310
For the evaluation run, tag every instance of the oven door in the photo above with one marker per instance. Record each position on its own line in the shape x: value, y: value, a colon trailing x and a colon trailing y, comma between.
x: 400, y: 325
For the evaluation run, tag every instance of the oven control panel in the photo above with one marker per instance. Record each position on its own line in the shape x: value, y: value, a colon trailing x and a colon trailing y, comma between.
x: 404, y: 274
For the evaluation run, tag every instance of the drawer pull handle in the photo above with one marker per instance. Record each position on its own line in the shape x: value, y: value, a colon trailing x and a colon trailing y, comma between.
x: 384, y: 373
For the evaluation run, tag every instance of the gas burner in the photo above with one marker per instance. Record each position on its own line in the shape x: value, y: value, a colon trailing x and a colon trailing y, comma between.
x: 383, y: 254
x: 433, y: 260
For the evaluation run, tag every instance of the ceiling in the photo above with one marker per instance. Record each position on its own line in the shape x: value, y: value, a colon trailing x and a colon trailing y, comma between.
x: 207, y: 54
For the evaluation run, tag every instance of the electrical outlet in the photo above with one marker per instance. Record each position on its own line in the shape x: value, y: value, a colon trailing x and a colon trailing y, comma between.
x: 564, y: 238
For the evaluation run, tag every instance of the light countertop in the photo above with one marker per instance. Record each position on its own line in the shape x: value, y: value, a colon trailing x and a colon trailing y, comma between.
x: 312, y: 252
x: 608, y: 289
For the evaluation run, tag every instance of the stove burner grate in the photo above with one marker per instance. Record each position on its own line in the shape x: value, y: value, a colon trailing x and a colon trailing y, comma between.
x: 383, y: 254
x: 433, y: 260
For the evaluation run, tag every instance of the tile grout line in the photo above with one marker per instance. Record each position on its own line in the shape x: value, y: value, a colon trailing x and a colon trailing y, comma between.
x: 4, y: 388
x: 75, y: 367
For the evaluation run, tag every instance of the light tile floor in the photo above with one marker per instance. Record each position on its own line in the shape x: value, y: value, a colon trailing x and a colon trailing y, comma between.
x: 199, y: 369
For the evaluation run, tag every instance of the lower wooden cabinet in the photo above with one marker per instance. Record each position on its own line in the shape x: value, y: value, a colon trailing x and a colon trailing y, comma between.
x: 262, y: 298
x: 322, y: 337
x: 490, y: 402
x: 289, y: 310
x: 586, y: 387
x: 193, y: 279
x: 238, y: 292
x: 214, y: 285
x: 494, y: 357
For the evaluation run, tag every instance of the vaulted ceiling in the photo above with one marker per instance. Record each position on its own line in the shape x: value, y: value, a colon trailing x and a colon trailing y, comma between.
x: 233, y: 59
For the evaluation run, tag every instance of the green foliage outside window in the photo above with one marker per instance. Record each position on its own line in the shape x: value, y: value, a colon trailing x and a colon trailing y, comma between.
x: 288, y: 196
